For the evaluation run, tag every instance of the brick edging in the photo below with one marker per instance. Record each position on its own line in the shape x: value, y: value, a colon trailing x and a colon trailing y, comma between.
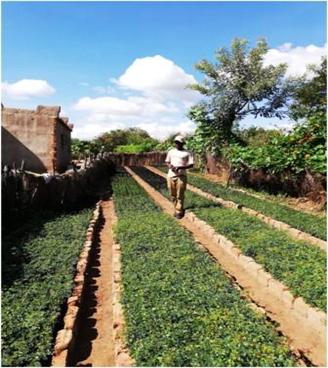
x: 65, y: 337
x: 294, y: 233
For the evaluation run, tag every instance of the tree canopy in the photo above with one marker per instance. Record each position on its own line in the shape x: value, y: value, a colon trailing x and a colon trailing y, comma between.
x: 236, y: 85
x: 311, y: 96
x: 129, y: 140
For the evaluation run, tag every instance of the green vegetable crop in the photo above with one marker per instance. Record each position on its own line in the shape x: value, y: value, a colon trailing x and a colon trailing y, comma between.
x: 180, y: 307
x: 300, y: 266
x: 37, y: 277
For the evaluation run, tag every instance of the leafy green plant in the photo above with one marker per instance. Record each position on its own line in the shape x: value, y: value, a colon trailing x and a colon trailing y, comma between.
x: 180, y: 307
x: 302, y: 267
x: 303, y: 149
x: 38, y: 268
x: 82, y: 148
x: 146, y: 146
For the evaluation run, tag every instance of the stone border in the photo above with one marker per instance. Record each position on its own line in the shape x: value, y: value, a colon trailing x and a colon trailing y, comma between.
x: 294, y: 233
x: 65, y: 337
x: 121, y: 352
x: 275, y: 297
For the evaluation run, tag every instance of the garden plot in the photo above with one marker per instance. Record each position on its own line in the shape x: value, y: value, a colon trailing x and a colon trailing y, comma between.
x: 279, y: 304
x: 180, y: 308
x: 37, y: 277
x: 300, y: 267
x: 311, y: 224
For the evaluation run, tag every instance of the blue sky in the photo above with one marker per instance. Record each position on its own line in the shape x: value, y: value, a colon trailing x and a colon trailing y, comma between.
x: 114, y: 64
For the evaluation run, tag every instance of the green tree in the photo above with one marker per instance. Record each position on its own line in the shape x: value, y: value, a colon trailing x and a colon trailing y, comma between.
x: 311, y: 97
x: 81, y: 148
x: 257, y: 136
x: 134, y: 139
x: 237, y: 85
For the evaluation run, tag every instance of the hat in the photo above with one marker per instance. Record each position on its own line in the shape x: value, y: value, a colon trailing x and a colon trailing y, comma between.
x: 179, y: 138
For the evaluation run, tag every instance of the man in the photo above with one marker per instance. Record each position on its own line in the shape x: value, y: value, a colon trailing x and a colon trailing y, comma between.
x: 178, y: 160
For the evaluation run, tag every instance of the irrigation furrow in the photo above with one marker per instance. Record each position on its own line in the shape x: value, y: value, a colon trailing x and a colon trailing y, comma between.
x: 294, y: 233
x: 96, y: 338
x: 262, y: 288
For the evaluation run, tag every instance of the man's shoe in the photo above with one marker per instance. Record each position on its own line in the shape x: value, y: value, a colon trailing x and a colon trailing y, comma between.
x: 179, y: 215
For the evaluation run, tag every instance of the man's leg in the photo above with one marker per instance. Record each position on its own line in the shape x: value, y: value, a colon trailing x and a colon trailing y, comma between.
x: 172, y: 186
x: 181, y: 188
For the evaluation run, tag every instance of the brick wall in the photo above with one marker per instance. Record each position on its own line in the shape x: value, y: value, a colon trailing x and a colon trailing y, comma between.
x: 32, y: 136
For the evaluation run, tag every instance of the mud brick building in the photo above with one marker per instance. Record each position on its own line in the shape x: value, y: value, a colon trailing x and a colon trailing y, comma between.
x: 39, y: 137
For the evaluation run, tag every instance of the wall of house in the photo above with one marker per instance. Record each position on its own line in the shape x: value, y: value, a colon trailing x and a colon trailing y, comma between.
x: 63, y: 144
x: 31, y: 135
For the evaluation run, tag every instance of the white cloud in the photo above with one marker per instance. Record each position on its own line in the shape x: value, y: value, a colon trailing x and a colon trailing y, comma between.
x: 108, y: 105
x: 152, y: 96
x: 158, y: 77
x: 161, y: 131
x: 297, y: 58
x: 27, y: 88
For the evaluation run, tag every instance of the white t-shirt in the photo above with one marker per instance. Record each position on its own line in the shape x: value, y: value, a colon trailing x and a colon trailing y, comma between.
x: 176, y: 158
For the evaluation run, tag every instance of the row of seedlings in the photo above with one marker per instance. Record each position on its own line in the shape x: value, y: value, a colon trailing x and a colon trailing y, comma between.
x: 180, y: 308
x: 38, y: 265
x: 300, y: 267
x: 309, y: 223
x: 294, y: 233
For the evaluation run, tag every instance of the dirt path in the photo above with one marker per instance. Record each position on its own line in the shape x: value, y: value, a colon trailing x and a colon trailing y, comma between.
x: 94, y: 344
x: 306, y: 336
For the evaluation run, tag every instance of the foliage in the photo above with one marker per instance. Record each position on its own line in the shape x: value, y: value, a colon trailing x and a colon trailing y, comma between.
x: 81, y: 148
x: 206, y: 138
x: 311, y: 224
x: 130, y: 140
x: 237, y: 85
x: 256, y: 136
x: 126, y: 137
x: 37, y: 277
x: 303, y: 149
x: 298, y: 265
x: 311, y: 96
x: 146, y: 146
x: 180, y: 307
